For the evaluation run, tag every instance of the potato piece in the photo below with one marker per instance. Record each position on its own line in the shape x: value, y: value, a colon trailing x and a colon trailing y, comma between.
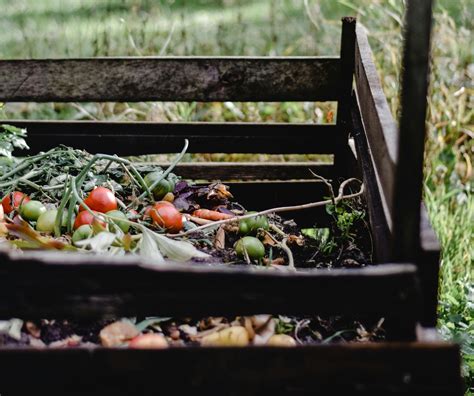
x: 281, y: 340
x: 117, y: 333
x: 149, y: 341
x: 231, y: 336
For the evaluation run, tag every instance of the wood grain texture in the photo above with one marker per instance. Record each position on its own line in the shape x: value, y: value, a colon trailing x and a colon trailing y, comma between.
x: 379, y: 222
x: 413, y: 101
x: 419, y: 368
x: 378, y: 121
x: 54, y: 284
x: 170, y: 79
x: 137, y: 138
x: 252, y: 171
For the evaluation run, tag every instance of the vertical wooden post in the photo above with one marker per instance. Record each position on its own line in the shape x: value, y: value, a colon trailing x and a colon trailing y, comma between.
x: 348, y: 38
x: 409, y: 172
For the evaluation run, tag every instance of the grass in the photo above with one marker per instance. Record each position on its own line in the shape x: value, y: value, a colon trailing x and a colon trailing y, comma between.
x: 76, y: 28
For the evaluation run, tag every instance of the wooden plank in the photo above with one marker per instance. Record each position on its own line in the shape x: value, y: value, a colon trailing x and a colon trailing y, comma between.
x: 55, y: 284
x: 252, y: 171
x: 377, y: 119
x: 409, y: 175
x: 421, y: 368
x: 428, y: 263
x: 344, y: 104
x: 170, y: 79
x: 379, y: 222
x: 137, y: 138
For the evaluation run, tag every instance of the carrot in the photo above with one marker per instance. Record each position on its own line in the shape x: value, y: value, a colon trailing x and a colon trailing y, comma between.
x: 211, y: 215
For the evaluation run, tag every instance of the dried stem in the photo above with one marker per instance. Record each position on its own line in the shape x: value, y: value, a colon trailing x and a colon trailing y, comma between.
x: 281, y: 209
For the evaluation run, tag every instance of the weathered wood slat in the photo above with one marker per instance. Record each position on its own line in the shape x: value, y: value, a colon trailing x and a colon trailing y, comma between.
x: 379, y: 221
x: 409, y: 172
x: 170, y: 79
x: 378, y: 121
x: 252, y: 171
x: 64, y: 285
x: 136, y: 138
x: 420, y: 368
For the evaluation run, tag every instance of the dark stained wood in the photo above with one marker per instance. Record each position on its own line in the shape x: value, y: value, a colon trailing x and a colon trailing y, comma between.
x: 377, y: 119
x: 136, y: 138
x: 55, y: 284
x: 169, y: 79
x: 344, y: 103
x: 409, y: 172
x: 428, y: 262
x: 378, y: 220
x: 421, y: 368
x: 252, y: 171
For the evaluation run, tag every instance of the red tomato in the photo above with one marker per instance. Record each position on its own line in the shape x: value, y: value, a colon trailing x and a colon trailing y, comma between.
x: 18, y: 199
x: 167, y: 216
x: 101, y: 200
x: 85, y: 217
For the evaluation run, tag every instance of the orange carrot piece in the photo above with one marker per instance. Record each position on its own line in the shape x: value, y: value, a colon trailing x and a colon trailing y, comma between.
x: 213, y: 215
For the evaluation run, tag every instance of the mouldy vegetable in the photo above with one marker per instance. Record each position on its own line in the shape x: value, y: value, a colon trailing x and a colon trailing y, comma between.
x: 252, y: 246
x: 232, y: 336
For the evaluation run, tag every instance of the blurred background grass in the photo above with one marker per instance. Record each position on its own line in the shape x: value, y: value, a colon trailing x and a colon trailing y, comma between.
x: 81, y: 28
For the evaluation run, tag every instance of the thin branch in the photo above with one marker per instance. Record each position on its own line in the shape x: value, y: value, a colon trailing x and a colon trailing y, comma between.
x: 281, y: 209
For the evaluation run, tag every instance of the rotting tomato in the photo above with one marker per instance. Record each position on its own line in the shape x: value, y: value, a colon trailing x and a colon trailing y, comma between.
x: 85, y: 217
x: 252, y: 246
x: 85, y: 231
x: 32, y: 210
x: 47, y: 220
x: 163, y: 187
x: 167, y: 216
x: 118, y: 217
x: 17, y: 197
x: 253, y: 224
x: 101, y: 200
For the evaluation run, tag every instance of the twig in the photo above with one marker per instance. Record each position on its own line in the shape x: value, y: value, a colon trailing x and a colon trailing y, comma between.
x: 291, y: 262
x: 281, y: 209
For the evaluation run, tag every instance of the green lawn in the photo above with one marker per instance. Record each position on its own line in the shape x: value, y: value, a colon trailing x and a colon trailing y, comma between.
x: 76, y: 28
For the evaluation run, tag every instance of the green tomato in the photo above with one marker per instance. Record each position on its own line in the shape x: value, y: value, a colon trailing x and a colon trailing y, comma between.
x: 83, y: 232
x: 45, y: 222
x: 252, y: 245
x: 117, y: 217
x: 252, y: 225
x: 32, y: 210
x: 162, y: 188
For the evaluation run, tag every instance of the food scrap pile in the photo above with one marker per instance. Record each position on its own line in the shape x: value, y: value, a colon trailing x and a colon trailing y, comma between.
x: 164, y: 332
x: 68, y: 199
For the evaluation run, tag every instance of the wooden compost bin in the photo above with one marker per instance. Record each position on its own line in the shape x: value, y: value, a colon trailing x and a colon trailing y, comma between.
x: 402, y: 288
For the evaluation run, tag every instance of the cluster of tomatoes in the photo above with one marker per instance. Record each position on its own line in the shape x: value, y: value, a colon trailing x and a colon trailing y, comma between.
x: 100, y: 201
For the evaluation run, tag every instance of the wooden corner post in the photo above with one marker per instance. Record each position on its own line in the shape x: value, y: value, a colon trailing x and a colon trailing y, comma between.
x: 409, y: 172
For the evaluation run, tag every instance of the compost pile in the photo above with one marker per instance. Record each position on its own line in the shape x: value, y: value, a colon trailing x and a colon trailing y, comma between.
x: 70, y: 200
x: 67, y: 199
x: 164, y: 332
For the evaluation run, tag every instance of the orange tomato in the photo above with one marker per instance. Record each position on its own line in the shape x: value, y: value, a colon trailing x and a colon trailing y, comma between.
x: 167, y: 216
x: 85, y: 217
